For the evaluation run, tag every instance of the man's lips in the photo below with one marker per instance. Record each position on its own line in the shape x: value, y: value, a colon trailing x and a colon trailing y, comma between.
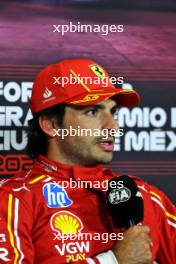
x: 106, y: 144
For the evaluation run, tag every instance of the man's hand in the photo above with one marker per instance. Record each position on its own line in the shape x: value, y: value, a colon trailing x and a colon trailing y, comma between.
x: 135, y: 248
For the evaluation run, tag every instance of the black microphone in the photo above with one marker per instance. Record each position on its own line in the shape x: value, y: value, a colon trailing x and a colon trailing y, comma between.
x: 124, y: 202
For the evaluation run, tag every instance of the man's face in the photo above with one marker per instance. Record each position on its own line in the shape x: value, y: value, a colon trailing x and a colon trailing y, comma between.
x: 88, y: 150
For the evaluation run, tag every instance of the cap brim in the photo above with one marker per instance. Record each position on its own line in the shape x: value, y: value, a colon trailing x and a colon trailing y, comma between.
x: 123, y: 97
x: 128, y: 98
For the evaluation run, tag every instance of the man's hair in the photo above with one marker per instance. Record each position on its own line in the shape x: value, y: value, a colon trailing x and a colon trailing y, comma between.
x: 37, y: 139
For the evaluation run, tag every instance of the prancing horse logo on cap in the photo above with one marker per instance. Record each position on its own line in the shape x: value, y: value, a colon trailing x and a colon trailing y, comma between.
x: 97, y: 70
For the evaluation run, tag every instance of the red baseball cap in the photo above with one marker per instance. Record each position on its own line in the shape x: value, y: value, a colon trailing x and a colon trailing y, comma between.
x: 77, y: 82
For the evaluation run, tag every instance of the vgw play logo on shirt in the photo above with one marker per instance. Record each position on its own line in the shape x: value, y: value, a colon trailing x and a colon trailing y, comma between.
x: 56, y: 196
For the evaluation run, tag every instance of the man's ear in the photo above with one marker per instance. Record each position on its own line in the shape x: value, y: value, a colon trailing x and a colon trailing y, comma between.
x: 48, y: 125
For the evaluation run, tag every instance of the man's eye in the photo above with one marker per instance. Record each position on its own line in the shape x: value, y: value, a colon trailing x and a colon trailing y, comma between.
x: 91, y: 112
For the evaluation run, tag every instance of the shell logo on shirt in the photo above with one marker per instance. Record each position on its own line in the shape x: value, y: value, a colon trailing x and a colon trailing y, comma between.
x: 66, y: 222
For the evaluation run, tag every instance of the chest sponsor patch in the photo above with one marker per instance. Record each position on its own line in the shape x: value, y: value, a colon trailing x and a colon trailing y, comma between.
x: 66, y: 222
x: 56, y: 196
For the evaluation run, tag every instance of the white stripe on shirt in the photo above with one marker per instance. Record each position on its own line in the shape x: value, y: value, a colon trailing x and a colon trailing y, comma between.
x: 16, y: 230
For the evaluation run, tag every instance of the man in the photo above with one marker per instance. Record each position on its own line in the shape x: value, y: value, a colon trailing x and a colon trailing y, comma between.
x: 43, y: 217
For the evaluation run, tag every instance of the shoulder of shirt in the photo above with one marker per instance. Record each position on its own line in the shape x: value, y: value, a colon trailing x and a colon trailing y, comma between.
x: 24, y: 180
x: 147, y: 187
x: 155, y: 194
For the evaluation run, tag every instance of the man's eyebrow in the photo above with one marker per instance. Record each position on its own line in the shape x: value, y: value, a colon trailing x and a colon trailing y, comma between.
x: 81, y: 107
x: 113, y: 109
x: 98, y: 106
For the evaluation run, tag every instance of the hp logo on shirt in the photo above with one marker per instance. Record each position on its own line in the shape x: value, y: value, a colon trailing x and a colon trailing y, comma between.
x: 56, y: 196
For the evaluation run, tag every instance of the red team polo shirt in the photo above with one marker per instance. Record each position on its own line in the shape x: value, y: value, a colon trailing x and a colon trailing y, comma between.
x: 36, y: 210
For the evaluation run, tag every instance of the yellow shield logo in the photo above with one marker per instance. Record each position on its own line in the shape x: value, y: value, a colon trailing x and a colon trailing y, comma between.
x: 98, y: 71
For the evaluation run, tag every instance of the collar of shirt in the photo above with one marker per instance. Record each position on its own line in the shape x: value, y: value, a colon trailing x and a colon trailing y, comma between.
x: 97, y: 172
